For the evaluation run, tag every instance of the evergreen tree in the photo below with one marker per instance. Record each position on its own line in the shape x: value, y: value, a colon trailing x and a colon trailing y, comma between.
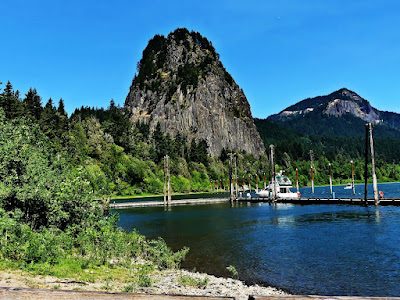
x: 61, y: 108
x: 112, y: 106
x: 62, y: 124
x: 48, y: 120
x: 33, y: 104
x: 9, y: 101
x: 179, y: 145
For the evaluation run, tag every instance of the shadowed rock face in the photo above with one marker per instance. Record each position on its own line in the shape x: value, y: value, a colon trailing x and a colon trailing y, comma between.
x: 349, y: 102
x: 335, y: 104
x: 182, y: 85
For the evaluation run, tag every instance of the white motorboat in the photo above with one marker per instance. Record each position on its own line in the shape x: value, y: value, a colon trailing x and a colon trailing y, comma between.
x: 349, y: 186
x: 263, y: 193
x: 281, y: 187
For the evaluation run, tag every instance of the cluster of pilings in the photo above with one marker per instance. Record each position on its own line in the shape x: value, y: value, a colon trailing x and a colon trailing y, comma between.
x: 239, y: 184
x: 232, y: 184
x: 369, y: 143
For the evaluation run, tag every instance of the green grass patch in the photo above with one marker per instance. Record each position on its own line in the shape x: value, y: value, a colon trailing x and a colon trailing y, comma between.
x: 188, y: 280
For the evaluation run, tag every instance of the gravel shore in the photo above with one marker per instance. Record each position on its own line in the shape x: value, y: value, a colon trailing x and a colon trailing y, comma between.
x: 172, y: 282
x: 168, y: 282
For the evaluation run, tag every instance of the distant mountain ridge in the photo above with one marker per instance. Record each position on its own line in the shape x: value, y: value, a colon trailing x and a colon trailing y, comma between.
x: 333, y: 127
x: 341, y: 113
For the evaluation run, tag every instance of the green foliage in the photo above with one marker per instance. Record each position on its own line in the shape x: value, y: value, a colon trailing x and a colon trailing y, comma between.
x: 233, y: 271
x: 188, y: 280
x: 144, y: 281
x: 188, y: 75
x: 157, y: 251
x: 10, y: 102
x: 339, y: 150
x: 21, y: 243
x: 33, y: 104
x: 98, y: 243
x: 36, y: 180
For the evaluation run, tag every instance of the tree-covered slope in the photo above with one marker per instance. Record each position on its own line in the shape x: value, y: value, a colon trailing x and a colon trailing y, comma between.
x: 341, y: 113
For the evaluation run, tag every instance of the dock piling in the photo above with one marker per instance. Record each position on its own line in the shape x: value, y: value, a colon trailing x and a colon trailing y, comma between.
x: 167, y: 181
x: 366, y: 165
x: 330, y: 177
x: 352, y: 178
x: 312, y: 170
x: 374, y: 179
x: 273, y: 172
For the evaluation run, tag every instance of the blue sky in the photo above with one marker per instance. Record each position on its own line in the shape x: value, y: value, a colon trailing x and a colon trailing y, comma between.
x: 279, y: 52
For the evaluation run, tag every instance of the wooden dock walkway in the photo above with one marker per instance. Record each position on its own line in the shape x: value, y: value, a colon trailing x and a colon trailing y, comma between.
x: 320, y: 200
x: 161, y: 203
x: 301, y: 201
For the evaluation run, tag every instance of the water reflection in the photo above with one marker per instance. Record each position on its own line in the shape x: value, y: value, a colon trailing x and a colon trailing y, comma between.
x: 313, y: 249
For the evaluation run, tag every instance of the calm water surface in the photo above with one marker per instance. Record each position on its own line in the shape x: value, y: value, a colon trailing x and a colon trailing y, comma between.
x: 313, y: 249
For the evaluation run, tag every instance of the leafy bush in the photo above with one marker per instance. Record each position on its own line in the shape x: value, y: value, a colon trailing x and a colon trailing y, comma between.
x: 158, y: 252
x: 187, y: 280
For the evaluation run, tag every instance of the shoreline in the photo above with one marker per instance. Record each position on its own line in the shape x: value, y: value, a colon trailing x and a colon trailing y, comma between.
x: 144, y: 196
x: 168, y: 282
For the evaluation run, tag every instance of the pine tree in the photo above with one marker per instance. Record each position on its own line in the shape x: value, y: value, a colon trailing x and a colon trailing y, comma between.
x: 62, y: 124
x: 49, y: 119
x: 61, y: 108
x: 9, y: 101
x: 33, y: 104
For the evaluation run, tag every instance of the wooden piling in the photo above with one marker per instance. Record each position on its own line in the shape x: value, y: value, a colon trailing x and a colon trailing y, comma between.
x: 366, y: 165
x: 352, y: 179
x: 249, y: 184
x: 265, y: 182
x: 330, y: 178
x: 256, y: 183
x: 374, y: 179
x: 312, y: 179
x: 169, y: 181
x: 312, y: 170
x: 231, y: 176
x: 236, y: 180
x: 273, y: 172
x: 165, y: 180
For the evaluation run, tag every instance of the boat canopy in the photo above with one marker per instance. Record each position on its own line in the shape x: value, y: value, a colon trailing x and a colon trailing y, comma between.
x: 283, y: 180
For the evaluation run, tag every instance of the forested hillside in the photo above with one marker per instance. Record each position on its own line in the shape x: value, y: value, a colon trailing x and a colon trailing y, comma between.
x: 116, y: 156
x: 51, y: 169
x: 333, y: 128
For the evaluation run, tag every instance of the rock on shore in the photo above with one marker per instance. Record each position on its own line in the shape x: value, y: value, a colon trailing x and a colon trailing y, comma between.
x: 168, y: 283
x: 163, y: 282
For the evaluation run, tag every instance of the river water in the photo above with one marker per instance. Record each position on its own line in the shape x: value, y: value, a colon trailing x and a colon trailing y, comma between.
x: 311, y: 249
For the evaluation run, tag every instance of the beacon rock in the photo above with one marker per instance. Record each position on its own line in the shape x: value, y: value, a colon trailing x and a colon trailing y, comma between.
x: 182, y: 84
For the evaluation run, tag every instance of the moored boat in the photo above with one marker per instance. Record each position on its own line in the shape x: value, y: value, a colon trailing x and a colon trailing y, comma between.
x: 280, y: 187
x: 349, y: 186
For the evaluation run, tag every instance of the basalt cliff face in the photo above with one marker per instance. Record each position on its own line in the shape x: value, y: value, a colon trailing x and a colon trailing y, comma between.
x: 182, y: 85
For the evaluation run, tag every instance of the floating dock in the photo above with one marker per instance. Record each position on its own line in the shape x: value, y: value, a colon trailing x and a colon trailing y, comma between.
x: 161, y: 203
x: 299, y: 201
x: 319, y: 200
